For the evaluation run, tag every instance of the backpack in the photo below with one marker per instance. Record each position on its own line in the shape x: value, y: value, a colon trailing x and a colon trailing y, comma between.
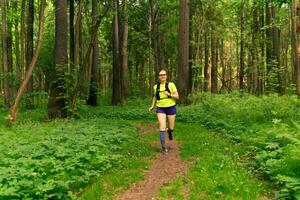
x: 158, y: 90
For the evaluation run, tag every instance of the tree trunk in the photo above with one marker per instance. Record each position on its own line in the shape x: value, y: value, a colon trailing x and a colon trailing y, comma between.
x: 72, y: 37
x: 183, y: 67
x: 242, y: 46
x: 254, y: 52
x: 223, y: 66
x: 94, y: 86
x: 5, y: 55
x: 116, y: 90
x: 29, y: 51
x: 22, y: 38
x: 17, y: 47
x: 124, y: 51
x: 214, y: 65
x: 206, y: 63
x: 14, y: 109
x: 295, y: 46
x: 57, y: 100
x: 150, y: 92
x: 269, y: 46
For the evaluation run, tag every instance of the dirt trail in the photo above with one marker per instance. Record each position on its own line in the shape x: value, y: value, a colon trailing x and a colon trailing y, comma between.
x: 163, y: 169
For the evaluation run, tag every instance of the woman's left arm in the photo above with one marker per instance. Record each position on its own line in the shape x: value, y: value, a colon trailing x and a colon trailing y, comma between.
x: 174, y: 95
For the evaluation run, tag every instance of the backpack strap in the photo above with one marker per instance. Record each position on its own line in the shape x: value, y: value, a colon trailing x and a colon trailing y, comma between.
x: 157, y: 91
x: 167, y: 88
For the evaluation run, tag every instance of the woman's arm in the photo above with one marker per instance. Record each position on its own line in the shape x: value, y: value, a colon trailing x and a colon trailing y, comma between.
x: 173, y: 95
x: 153, y: 104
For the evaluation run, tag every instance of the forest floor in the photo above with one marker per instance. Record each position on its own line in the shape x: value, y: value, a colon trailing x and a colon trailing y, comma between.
x: 164, y: 168
x: 206, y: 167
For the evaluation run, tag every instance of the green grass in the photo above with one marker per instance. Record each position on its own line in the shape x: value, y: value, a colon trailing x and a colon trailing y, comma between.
x: 218, y: 168
x: 59, y: 159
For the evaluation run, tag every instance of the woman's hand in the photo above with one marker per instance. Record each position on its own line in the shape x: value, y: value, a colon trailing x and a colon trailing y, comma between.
x: 168, y: 94
x: 150, y: 109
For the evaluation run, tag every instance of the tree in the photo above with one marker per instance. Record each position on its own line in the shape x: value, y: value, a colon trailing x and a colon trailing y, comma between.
x: 116, y: 90
x: 72, y: 35
x: 57, y: 100
x: 214, y: 64
x: 124, y: 52
x: 295, y: 45
x: 183, y: 66
x: 94, y: 86
x: 242, y: 47
x: 5, y: 55
x: 13, y: 114
x: 29, y: 50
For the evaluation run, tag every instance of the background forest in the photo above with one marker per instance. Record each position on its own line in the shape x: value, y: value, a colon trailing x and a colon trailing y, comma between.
x: 236, y: 64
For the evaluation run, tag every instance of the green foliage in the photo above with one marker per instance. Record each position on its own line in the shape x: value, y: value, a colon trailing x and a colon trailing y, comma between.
x: 58, y: 159
x: 268, y: 124
x: 217, y: 168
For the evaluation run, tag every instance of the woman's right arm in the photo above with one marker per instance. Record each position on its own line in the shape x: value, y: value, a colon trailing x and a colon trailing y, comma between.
x: 153, y: 104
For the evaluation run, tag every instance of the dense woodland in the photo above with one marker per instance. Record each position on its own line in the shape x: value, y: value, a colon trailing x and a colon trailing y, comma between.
x: 76, y: 51
x: 81, y: 74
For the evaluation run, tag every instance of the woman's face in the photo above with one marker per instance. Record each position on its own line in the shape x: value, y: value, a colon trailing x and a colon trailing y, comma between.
x: 162, y: 76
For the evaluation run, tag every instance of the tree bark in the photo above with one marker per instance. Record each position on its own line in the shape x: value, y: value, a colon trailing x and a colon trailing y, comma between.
x: 5, y: 55
x: 254, y: 51
x: 242, y: 46
x: 295, y: 46
x: 116, y: 94
x: 57, y: 100
x: 206, y: 62
x: 29, y: 51
x: 72, y: 36
x: 94, y: 86
x: 22, y: 38
x: 124, y: 54
x: 214, y: 65
x: 13, y: 114
x: 183, y: 67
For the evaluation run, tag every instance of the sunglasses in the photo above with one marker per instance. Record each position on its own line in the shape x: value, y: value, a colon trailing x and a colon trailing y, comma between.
x: 162, y: 75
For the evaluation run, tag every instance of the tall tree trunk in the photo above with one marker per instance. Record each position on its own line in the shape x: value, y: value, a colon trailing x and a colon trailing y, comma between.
x: 150, y: 92
x: 10, y: 63
x: 22, y: 38
x: 295, y: 46
x: 116, y: 90
x: 276, y: 53
x: 183, y: 67
x: 269, y: 45
x: 57, y: 99
x: 223, y: 66
x: 124, y: 51
x: 206, y: 64
x: 254, y: 54
x: 14, y: 109
x: 214, y: 65
x: 72, y: 36
x: 5, y: 55
x: 29, y: 51
x: 77, y: 34
x: 242, y: 48
x: 17, y: 47
x: 94, y: 86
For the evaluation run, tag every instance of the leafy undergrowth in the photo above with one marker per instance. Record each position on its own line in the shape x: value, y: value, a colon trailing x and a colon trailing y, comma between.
x: 269, y: 125
x: 58, y: 159
x: 218, y: 169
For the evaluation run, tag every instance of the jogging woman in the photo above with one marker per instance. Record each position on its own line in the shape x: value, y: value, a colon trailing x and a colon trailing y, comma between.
x: 165, y: 96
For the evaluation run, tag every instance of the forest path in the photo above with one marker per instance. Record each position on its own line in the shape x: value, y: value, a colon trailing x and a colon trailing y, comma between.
x: 163, y: 168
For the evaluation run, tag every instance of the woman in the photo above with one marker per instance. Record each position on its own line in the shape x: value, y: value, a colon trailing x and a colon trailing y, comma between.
x: 165, y: 96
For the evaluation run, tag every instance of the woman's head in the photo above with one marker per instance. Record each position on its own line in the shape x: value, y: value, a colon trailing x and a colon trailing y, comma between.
x: 162, y: 75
